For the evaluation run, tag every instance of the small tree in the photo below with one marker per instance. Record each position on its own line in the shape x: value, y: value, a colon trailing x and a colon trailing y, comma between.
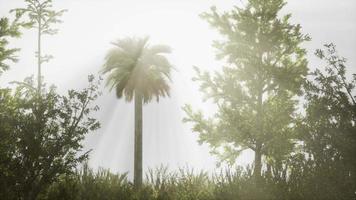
x: 328, y: 131
x: 35, y: 152
x: 254, y: 92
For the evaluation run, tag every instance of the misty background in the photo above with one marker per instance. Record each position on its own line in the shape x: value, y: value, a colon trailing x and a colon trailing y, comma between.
x: 84, y: 38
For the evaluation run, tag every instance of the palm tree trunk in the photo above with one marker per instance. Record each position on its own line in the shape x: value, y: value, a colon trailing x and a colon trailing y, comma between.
x: 138, y: 142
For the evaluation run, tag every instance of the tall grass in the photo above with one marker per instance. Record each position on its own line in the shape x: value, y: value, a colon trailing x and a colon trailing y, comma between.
x: 161, y: 184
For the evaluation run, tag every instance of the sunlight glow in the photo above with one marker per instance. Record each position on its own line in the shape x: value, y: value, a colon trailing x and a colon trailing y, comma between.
x: 85, y: 36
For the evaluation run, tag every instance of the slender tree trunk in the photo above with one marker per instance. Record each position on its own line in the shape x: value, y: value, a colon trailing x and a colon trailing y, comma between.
x: 258, y: 150
x: 39, y: 58
x: 258, y: 162
x: 138, y: 142
x: 269, y: 171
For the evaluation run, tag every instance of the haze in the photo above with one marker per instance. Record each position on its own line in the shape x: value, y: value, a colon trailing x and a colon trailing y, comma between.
x: 89, y: 27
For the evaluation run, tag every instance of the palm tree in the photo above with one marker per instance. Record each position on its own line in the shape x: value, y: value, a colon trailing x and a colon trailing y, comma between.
x: 140, y: 72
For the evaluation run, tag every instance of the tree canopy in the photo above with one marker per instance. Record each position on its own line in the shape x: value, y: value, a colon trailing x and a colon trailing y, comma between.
x: 254, y: 92
x: 133, y: 65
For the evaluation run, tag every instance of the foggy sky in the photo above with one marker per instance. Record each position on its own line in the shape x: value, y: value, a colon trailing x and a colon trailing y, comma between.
x: 84, y: 38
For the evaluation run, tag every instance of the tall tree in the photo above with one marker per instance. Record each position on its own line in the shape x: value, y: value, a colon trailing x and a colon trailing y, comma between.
x: 140, y: 72
x: 254, y: 92
x: 40, y: 17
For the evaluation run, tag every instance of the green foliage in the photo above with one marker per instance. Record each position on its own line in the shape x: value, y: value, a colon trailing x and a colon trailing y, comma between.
x: 134, y: 66
x: 160, y: 185
x: 40, y: 15
x: 184, y: 184
x: 328, y: 131
x: 7, y: 30
x: 41, y: 136
x: 87, y: 184
x: 255, y: 91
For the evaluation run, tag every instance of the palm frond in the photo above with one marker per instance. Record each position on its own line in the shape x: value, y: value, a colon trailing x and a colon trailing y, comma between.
x: 134, y: 66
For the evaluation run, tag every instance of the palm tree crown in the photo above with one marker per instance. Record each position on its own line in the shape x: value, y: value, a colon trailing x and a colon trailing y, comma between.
x: 136, y: 67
